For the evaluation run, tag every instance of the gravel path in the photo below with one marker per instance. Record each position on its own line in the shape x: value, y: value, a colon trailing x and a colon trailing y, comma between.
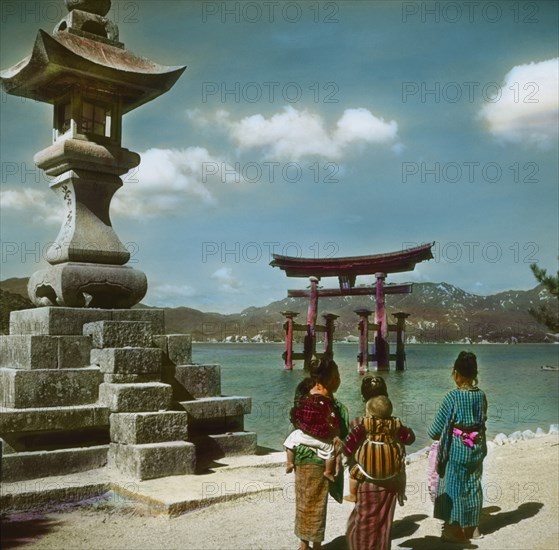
x: 521, y: 483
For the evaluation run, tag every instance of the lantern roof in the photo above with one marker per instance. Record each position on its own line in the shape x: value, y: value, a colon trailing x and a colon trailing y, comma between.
x: 66, y: 59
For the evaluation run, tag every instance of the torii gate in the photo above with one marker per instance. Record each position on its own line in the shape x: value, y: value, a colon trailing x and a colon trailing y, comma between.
x: 347, y: 269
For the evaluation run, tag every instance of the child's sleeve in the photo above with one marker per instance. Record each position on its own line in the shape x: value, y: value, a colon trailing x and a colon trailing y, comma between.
x: 354, y: 439
x: 406, y: 435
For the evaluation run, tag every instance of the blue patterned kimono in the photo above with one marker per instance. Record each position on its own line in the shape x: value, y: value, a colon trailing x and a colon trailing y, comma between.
x: 460, y: 496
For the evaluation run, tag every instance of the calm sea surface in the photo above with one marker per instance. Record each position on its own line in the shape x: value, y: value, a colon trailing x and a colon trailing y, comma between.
x: 521, y: 396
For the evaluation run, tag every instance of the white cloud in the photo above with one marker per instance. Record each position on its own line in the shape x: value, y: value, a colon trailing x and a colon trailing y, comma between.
x: 527, y: 110
x: 293, y: 134
x: 167, y: 180
x: 227, y: 282
x: 166, y: 183
x: 41, y: 206
x: 361, y: 125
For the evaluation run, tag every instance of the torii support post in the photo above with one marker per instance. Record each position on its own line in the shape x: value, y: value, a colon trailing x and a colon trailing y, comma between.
x: 310, y: 337
x: 363, y: 356
x: 288, y: 326
x: 400, y: 344
x: 381, y: 345
x: 329, y: 319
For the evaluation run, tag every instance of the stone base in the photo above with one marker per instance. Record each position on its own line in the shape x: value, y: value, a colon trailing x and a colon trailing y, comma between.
x: 153, y: 460
x: 176, y: 347
x: 150, y: 427
x: 192, y: 381
x: 221, y: 445
x: 119, y: 334
x: 127, y: 360
x: 59, y: 415
x: 217, y: 407
x: 135, y: 397
x: 44, y: 352
x: 53, y: 419
x: 48, y: 388
x: 32, y: 465
x: 216, y: 415
x: 79, y: 285
x: 65, y: 321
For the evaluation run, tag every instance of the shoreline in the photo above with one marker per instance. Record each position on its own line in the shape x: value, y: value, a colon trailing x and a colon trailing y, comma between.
x: 198, y: 342
x: 520, y: 510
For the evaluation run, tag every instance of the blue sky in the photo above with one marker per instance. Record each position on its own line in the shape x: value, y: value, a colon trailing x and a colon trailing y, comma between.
x: 314, y: 129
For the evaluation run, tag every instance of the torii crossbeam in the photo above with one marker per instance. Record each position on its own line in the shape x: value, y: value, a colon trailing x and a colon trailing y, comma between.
x: 347, y: 270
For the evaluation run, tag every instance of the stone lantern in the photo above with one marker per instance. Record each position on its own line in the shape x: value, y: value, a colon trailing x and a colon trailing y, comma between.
x: 92, y: 81
x: 96, y: 383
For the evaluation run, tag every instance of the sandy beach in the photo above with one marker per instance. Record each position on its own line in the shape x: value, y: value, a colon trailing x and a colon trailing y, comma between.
x: 521, y: 490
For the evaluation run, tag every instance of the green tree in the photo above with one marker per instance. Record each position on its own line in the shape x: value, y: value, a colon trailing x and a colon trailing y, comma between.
x: 549, y: 316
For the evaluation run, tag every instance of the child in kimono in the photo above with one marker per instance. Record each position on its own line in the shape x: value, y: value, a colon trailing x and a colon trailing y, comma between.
x: 377, y: 445
x: 316, y: 424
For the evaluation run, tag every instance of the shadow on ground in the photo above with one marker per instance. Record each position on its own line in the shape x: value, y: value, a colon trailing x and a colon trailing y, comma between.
x: 431, y: 542
x: 401, y: 528
x: 491, y: 522
x: 407, y: 526
x: 22, y: 529
x: 339, y: 543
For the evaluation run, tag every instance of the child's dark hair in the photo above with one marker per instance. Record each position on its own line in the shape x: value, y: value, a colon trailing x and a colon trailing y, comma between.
x: 322, y: 371
x: 373, y: 386
x: 466, y: 365
x: 302, y: 389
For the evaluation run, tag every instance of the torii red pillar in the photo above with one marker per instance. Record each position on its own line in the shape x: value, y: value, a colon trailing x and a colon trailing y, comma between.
x: 329, y: 319
x: 310, y: 337
x: 288, y: 326
x: 381, y: 345
x: 363, y: 357
x: 400, y: 344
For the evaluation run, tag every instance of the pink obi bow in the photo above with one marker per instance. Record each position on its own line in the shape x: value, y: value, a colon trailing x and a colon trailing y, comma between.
x: 468, y: 438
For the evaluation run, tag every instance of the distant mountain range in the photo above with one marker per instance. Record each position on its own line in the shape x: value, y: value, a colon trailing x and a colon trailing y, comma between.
x: 439, y: 312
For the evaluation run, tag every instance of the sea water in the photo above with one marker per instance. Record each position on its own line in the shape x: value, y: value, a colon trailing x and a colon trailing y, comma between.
x: 520, y: 394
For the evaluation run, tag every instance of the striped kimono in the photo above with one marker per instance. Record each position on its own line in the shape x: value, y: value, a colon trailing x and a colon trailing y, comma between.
x: 370, y: 522
x: 459, y: 496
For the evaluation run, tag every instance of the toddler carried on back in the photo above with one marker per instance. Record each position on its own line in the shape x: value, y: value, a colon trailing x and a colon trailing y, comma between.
x: 376, y: 442
x: 316, y: 424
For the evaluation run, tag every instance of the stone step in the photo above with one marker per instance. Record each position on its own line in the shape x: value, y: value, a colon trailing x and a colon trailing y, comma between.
x: 177, y: 348
x: 21, y: 389
x: 128, y: 360
x: 148, y: 427
x: 217, y: 407
x: 215, y: 415
x: 153, y: 460
x: 151, y: 396
x: 131, y: 378
x: 192, y: 381
x: 156, y: 317
x: 67, y: 321
x: 37, y: 464
x: 215, y: 446
x: 52, y: 419
x: 119, y: 334
x: 44, y: 352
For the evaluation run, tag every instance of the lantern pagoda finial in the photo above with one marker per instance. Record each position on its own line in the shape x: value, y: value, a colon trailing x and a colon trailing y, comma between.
x: 98, y: 7
x: 87, y: 19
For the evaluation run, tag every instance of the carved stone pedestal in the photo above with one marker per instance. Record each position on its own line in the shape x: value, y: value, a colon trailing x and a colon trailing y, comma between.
x: 74, y: 284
